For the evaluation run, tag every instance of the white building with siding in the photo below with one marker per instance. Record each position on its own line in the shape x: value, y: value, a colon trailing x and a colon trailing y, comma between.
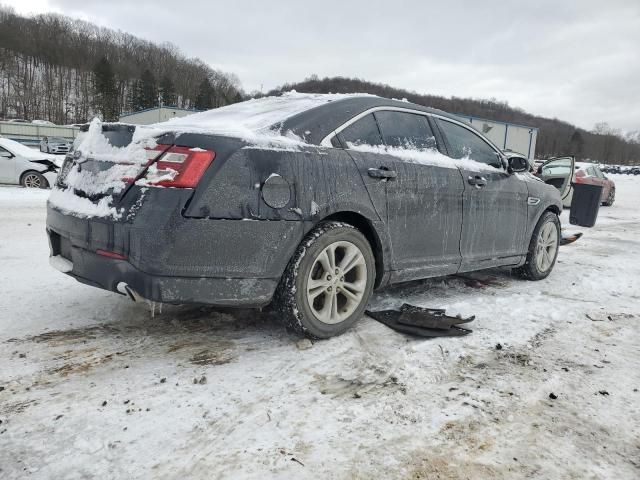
x: 155, y: 115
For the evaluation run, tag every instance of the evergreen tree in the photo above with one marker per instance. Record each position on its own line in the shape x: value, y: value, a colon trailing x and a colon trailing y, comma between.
x: 146, y: 92
x: 106, y: 90
x: 204, y: 98
x: 576, y: 144
x: 131, y: 100
x: 168, y: 92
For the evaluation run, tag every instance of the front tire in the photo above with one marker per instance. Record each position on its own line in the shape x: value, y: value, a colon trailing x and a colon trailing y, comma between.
x: 328, y: 282
x: 543, y: 248
x: 33, y: 180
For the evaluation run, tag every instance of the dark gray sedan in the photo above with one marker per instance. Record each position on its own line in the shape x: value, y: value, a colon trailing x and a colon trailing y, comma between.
x: 372, y: 192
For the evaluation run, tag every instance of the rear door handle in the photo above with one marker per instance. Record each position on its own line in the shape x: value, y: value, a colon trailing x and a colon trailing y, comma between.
x: 382, y: 172
x: 477, y: 181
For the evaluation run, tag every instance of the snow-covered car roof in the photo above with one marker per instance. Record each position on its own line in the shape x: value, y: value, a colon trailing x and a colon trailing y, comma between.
x: 292, y: 116
x: 253, y: 115
x: 21, y: 150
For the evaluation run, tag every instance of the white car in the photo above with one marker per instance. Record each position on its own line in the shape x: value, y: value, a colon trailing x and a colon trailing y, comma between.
x: 21, y: 165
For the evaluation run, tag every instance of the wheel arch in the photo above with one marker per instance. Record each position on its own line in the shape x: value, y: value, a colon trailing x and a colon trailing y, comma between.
x: 31, y: 170
x: 367, y: 228
x: 551, y: 208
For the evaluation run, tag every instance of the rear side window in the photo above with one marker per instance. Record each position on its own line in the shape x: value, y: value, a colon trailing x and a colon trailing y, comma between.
x: 406, y: 130
x: 363, y: 132
x: 464, y: 143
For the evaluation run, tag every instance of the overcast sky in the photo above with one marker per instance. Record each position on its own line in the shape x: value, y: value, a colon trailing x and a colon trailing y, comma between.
x: 577, y: 60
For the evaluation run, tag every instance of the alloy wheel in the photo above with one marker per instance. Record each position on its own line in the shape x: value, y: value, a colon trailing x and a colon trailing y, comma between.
x: 337, y: 282
x: 547, y: 246
x: 32, y: 181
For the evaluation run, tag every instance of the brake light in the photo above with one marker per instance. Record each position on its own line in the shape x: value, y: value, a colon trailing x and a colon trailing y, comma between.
x: 178, y: 167
x: 579, y: 176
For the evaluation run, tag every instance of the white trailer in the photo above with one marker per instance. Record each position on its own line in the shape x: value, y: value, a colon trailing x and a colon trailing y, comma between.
x: 155, y: 115
x: 30, y: 134
x: 507, y: 136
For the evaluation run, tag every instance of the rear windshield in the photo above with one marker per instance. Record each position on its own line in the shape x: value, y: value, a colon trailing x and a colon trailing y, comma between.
x: 253, y: 115
x: 118, y: 135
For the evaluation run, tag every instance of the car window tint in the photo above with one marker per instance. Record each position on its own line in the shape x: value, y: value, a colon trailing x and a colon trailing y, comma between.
x: 466, y: 144
x: 363, y: 132
x: 406, y: 130
x: 4, y: 152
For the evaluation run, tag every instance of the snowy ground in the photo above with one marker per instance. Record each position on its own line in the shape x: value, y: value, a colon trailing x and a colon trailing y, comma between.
x: 92, y: 387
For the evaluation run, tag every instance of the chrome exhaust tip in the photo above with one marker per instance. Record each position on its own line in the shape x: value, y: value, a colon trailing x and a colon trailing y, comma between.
x: 125, y: 289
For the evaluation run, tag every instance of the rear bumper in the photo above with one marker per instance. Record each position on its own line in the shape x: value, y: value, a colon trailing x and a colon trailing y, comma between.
x: 108, y: 274
x: 173, y: 259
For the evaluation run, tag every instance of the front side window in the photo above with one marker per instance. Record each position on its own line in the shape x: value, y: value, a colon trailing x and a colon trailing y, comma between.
x: 362, y: 132
x: 5, y: 153
x: 406, y: 130
x: 464, y: 143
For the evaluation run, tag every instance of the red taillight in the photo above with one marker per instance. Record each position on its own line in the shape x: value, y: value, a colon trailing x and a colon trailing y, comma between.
x: 579, y: 177
x: 114, y: 255
x: 187, y: 165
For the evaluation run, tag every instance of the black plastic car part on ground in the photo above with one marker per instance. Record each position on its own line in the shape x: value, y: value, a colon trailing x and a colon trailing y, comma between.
x: 229, y: 239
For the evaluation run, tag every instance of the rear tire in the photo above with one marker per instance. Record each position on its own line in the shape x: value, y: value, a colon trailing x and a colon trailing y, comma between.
x: 328, y: 282
x: 543, y: 248
x: 33, y: 180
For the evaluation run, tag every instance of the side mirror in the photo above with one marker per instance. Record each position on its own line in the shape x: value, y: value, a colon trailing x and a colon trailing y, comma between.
x: 518, y: 164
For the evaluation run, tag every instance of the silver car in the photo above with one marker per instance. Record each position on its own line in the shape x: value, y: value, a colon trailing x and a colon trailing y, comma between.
x: 55, y: 145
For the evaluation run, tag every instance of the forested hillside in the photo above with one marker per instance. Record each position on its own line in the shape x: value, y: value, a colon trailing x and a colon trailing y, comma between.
x: 65, y: 70
x: 555, y: 137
